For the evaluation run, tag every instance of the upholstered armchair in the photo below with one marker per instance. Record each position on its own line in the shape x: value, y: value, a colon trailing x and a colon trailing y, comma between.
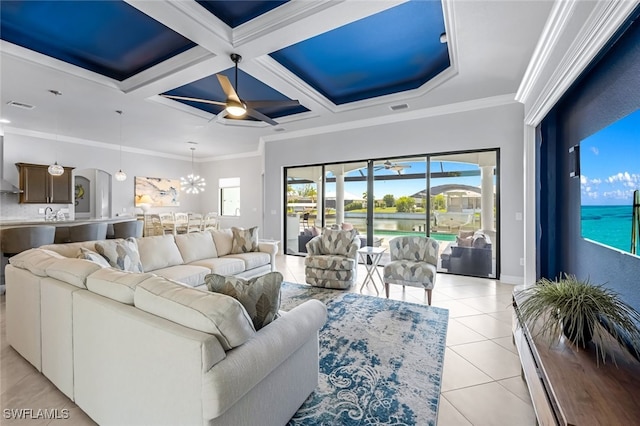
x: 331, y: 260
x: 413, y: 263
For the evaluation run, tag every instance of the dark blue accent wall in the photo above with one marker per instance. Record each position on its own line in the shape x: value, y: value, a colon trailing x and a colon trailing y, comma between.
x: 608, y: 91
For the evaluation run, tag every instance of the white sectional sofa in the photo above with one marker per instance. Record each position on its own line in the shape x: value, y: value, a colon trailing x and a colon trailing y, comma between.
x: 139, y: 348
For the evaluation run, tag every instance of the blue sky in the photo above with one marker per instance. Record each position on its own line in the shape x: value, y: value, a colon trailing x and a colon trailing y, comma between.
x: 610, y: 163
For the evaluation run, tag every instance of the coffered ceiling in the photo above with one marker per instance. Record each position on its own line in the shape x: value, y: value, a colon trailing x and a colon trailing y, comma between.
x: 346, y: 62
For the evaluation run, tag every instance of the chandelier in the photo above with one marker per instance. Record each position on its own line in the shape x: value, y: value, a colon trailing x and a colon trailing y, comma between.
x: 120, y: 176
x: 192, y: 184
x: 56, y: 169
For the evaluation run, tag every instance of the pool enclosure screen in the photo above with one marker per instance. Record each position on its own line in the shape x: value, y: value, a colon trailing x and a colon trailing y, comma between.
x: 451, y: 197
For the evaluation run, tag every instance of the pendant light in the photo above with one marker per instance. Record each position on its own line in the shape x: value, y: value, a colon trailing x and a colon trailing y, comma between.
x: 192, y: 184
x: 56, y: 169
x: 120, y: 175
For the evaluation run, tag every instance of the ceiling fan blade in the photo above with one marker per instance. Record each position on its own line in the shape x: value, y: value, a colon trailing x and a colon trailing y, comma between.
x: 268, y: 104
x: 184, y: 98
x: 260, y: 116
x: 227, y: 88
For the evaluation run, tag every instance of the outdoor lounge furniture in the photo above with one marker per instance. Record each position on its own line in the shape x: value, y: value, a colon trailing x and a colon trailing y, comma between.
x: 332, y: 259
x: 413, y: 263
x: 470, y: 255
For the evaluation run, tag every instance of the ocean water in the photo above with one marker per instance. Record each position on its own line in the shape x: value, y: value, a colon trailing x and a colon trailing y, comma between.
x: 609, y: 225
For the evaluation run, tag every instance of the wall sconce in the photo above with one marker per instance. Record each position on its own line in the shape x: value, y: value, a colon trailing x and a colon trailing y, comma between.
x: 574, y: 161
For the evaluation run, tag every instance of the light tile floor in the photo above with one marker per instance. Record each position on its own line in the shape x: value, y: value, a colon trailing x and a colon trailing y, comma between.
x: 481, y: 382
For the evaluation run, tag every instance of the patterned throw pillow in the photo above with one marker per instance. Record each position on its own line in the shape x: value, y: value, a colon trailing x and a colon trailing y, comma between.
x: 260, y: 296
x: 121, y: 254
x: 336, y: 241
x: 244, y: 240
x: 87, y: 254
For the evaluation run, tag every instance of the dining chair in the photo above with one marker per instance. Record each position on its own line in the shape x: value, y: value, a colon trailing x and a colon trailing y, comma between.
x: 152, y: 225
x: 195, y: 222
x: 168, y: 223
x: 210, y: 221
x: 181, y: 223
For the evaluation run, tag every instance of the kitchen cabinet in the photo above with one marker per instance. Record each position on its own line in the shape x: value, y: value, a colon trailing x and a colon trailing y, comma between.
x: 38, y: 186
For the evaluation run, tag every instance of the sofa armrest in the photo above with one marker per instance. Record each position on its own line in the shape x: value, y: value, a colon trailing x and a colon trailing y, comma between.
x: 247, y: 365
x: 272, y: 249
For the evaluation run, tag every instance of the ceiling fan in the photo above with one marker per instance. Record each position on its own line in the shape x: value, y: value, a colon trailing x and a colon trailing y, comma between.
x: 234, y: 105
x: 388, y: 165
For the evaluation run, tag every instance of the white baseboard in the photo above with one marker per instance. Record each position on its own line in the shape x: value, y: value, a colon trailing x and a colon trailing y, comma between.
x: 511, y: 279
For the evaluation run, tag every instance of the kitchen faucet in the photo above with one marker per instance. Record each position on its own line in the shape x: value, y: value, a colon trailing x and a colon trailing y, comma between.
x: 47, y: 212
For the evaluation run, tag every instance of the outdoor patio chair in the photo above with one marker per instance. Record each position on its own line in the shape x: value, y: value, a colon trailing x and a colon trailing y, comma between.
x: 413, y: 263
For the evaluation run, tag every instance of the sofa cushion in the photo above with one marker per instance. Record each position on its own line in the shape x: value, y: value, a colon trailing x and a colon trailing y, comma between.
x: 222, y: 265
x: 72, y: 271
x: 252, y: 260
x: 260, y: 296
x: 86, y: 254
x: 329, y: 261
x: 244, y: 240
x: 115, y: 284
x: 158, y: 252
x: 121, y: 254
x: 196, y: 246
x: 212, y: 313
x: 223, y: 238
x: 191, y: 275
x: 35, y: 260
x: 336, y: 241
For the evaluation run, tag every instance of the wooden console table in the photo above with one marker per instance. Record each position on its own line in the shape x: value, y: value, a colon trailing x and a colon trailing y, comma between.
x: 568, y: 387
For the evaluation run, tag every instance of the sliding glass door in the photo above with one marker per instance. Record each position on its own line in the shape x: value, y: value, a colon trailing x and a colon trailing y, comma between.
x: 463, y: 206
x: 449, y: 197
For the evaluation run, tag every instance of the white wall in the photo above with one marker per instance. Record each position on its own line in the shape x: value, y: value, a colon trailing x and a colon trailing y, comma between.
x: 29, y: 149
x: 496, y: 127
x: 249, y: 170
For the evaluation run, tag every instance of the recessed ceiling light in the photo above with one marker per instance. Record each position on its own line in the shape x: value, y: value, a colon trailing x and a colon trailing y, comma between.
x: 4, y: 121
x: 20, y: 105
x: 399, y: 107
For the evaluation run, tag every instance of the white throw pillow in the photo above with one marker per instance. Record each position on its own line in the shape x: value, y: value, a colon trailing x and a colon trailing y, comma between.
x: 212, y: 313
x: 94, y: 257
x: 196, y: 246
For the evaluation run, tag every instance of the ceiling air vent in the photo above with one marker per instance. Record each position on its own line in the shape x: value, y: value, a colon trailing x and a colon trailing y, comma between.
x: 398, y: 107
x: 20, y: 105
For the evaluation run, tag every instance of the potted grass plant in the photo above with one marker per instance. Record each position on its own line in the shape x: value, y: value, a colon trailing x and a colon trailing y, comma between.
x: 583, y: 312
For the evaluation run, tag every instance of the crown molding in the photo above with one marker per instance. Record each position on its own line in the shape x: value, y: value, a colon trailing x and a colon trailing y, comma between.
x: 439, y: 110
x: 91, y: 143
x: 561, y: 12
x: 603, y: 22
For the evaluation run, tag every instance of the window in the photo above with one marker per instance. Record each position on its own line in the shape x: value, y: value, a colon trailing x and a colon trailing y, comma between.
x: 229, y: 196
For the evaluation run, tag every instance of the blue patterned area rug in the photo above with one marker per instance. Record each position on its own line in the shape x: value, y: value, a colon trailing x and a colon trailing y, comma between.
x: 380, y: 360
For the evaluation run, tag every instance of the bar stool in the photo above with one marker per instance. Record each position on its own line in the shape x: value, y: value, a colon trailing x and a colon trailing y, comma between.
x: 17, y: 240
x: 132, y: 228
x: 88, y: 232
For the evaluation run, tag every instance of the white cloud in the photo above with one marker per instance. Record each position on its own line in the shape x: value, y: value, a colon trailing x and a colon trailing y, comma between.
x: 595, y: 150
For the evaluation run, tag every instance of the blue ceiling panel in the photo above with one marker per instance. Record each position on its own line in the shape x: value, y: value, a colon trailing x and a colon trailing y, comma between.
x: 237, y: 12
x: 392, y: 51
x: 110, y: 38
x: 248, y: 89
